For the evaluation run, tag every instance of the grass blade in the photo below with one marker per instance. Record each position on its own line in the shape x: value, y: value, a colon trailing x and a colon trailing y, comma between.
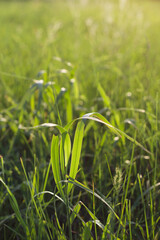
x: 106, y: 99
x: 55, y: 163
x: 67, y: 148
x: 100, y: 197
x: 144, y: 208
x: 76, y: 152
x: 65, y: 151
x: 99, y: 118
x: 15, y: 208
x: 75, y: 211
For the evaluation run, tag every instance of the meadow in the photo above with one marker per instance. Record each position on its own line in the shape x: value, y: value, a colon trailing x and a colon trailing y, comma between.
x: 79, y: 120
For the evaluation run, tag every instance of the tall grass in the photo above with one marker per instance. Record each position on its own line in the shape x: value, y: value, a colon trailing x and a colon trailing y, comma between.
x: 79, y: 120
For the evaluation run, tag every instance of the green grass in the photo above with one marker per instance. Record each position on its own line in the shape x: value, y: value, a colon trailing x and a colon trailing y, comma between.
x: 79, y: 120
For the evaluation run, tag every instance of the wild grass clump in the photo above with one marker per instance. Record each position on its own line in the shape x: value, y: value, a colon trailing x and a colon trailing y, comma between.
x: 79, y: 120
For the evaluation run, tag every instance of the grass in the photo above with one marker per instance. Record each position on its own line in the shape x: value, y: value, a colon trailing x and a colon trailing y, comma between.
x: 79, y: 120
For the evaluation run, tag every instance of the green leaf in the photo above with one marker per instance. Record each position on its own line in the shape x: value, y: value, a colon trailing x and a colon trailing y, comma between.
x: 100, y: 197
x: 99, y: 118
x: 106, y: 99
x: 94, y: 218
x: 15, y: 207
x: 76, y: 152
x: 67, y: 148
x: 62, y: 154
x: 44, y: 125
x: 65, y: 151
x: 75, y: 211
x: 86, y: 235
x: 55, y: 163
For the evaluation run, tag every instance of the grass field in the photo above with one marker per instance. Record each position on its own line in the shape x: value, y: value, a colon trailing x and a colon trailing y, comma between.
x: 79, y: 120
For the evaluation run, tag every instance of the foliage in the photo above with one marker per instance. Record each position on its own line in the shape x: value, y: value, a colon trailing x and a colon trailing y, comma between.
x: 79, y: 144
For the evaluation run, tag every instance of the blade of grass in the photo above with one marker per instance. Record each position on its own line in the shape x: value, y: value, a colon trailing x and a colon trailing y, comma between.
x: 65, y: 151
x: 101, y: 197
x: 144, y: 208
x: 2, y: 164
x: 75, y: 211
x: 86, y: 235
x: 62, y: 140
x: 128, y: 211
x: 67, y: 148
x: 56, y: 163
x: 14, y: 231
x: 16, y: 209
x: 99, y: 118
x: 106, y: 99
x: 52, y: 125
x: 76, y: 152
x: 30, y: 189
x: 94, y: 214
x: 127, y: 186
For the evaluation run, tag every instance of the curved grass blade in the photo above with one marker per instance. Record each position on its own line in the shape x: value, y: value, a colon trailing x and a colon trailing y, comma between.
x: 101, y: 197
x: 99, y: 118
x: 75, y: 211
x: 94, y: 218
x: 53, y: 125
x: 64, y: 202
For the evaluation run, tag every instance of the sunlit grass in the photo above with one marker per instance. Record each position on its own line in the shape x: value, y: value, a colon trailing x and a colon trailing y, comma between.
x: 79, y: 120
